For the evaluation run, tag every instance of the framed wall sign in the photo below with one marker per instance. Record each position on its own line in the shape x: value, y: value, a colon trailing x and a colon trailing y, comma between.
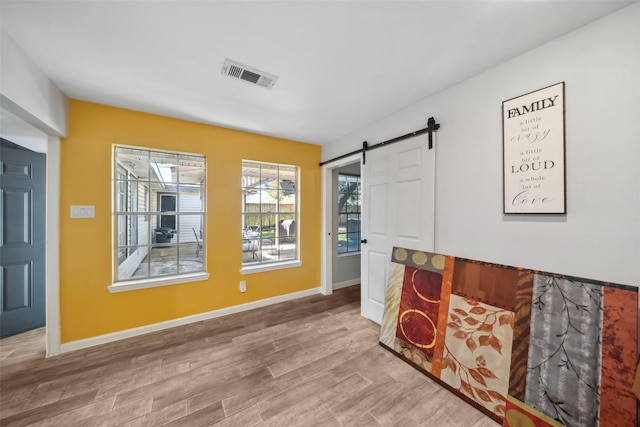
x: 533, y: 152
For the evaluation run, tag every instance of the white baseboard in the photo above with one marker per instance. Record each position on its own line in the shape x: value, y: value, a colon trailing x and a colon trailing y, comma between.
x: 128, y: 333
x: 346, y: 283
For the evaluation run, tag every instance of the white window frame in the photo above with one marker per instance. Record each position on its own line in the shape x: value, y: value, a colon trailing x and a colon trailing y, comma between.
x: 348, y: 253
x: 261, y: 266
x: 120, y: 171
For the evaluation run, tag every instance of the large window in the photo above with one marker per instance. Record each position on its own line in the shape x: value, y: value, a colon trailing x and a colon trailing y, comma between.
x: 348, y: 213
x: 159, y: 213
x: 269, y: 213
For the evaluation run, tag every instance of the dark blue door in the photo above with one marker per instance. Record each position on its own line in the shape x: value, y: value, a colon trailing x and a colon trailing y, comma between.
x: 22, y: 239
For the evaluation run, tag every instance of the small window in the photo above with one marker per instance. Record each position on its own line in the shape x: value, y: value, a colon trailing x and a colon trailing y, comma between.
x: 269, y: 213
x: 159, y: 213
x: 348, y: 213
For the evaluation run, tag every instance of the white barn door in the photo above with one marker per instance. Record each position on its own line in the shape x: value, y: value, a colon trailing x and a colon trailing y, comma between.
x: 398, y: 210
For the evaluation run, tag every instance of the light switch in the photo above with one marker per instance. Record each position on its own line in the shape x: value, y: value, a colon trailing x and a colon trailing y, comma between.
x: 83, y: 211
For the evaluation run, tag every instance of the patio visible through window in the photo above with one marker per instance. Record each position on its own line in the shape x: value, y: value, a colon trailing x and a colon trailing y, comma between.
x: 269, y: 213
x: 159, y: 213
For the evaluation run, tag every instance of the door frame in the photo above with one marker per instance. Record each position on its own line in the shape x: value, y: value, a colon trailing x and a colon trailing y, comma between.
x: 29, y: 132
x: 52, y: 252
x: 328, y: 195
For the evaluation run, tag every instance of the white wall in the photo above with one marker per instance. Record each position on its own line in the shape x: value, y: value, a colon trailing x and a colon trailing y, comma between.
x: 28, y: 93
x: 16, y: 130
x: 599, y: 238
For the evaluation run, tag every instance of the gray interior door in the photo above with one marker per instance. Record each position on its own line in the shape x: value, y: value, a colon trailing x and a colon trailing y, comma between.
x: 22, y: 239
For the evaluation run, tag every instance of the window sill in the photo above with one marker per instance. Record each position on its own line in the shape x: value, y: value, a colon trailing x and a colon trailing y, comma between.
x: 134, y: 285
x: 349, y: 254
x: 250, y: 269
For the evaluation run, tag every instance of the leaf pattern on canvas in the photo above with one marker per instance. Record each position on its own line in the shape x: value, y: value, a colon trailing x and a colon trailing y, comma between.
x: 477, y: 339
x: 566, y: 323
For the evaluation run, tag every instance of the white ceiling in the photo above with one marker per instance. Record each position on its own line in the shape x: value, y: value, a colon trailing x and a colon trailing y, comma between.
x: 341, y: 64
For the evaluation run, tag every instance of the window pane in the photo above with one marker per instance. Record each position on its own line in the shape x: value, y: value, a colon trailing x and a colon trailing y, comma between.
x: 288, y: 186
x: 191, y: 198
x: 288, y: 172
x: 121, y: 196
x: 166, y: 190
x: 286, y: 249
x: 141, y: 272
x: 287, y: 202
x: 250, y: 175
x: 268, y: 226
x: 153, y: 224
x: 269, y: 209
x: 349, y: 207
x: 267, y: 201
x: 191, y: 169
x: 163, y: 236
x: 251, y: 248
x: 353, y: 223
x: 163, y: 260
x: 134, y: 160
x: 166, y: 202
x: 352, y: 206
x: 133, y: 246
x: 145, y: 233
x: 164, y: 168
x: 287, y: 228
x: 353, y: 242
x: 189, y: 262
x: 269, y: 176
x: 252, y: 222
x: 190, y: 227
x: 342, y: 223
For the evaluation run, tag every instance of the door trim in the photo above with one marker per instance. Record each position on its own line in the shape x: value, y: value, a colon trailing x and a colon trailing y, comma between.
x: 52, y: 256
x: 326, y: 283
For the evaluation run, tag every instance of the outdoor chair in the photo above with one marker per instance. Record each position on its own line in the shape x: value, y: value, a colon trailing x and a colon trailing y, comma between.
x: 198, y: 241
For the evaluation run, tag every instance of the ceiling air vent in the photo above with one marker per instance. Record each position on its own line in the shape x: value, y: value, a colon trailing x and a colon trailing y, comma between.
x: 248, y: 74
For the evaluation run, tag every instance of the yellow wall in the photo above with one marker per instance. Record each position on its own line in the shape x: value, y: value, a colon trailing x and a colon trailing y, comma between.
x: 88, y: 309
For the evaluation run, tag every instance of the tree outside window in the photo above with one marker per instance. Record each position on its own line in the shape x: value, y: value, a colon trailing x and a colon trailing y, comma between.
x: 349, y: 215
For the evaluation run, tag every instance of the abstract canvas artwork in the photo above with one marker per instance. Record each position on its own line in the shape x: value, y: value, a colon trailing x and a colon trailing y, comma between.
x: 526, y: 347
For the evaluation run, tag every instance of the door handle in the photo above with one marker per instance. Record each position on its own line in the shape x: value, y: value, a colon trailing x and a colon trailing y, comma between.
x: 364, y: 241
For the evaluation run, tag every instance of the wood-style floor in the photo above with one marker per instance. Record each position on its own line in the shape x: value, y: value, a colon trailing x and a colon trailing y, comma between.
x: 310, y: 362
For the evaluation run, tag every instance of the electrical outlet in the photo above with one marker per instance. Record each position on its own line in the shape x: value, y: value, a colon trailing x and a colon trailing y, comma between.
x: 243, y: 286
